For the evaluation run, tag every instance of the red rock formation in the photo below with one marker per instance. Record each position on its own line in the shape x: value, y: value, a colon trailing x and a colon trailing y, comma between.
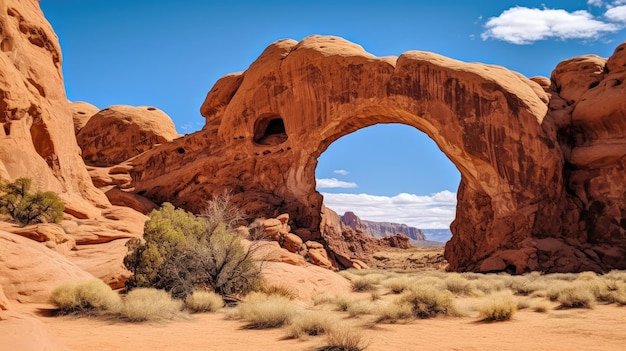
x: 380, y: 229
x: 81, y: 113
x: 37, y: 134
x: 118, y: 133
x: 268, y: 125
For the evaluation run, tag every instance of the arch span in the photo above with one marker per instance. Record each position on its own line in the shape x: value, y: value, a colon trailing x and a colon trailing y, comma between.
x: 488, y: 121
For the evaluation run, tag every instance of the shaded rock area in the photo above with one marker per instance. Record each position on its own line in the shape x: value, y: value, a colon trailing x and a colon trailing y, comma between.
x: 380, y: 229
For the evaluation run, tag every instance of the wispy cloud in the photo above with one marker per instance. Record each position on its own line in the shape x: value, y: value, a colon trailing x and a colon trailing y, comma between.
x: 616, y: 14
x: 425, y: 212
x: 597, y: 3
x: 342, y: 172
x: 327, y: 183
x: 523, y: 25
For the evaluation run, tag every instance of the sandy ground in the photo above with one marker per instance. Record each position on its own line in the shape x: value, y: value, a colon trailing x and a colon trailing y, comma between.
x: 602, y: 328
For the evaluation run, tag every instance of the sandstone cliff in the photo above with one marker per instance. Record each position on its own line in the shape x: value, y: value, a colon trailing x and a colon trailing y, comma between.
x: 380, y: 229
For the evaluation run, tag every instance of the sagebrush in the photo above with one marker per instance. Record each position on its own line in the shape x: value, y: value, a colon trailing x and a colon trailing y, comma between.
x: 27, y: 207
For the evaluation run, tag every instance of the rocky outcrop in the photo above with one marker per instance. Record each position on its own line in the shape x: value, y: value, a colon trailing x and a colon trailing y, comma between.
x: 117, y: 133
x: 37, y: 134
x: 81, y: 113
x: 266, y: 127
x: 380, y: 229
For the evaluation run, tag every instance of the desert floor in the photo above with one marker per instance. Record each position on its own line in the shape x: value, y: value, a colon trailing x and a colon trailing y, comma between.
x: 601, y: 328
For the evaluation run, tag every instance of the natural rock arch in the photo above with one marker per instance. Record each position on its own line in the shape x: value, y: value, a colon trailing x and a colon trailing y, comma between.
x: 488, y: 121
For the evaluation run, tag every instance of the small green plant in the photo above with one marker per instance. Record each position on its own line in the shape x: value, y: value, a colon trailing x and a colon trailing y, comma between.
x: 148, y: 304
x: 498, y: 307
x: 93, y: 296
x: 204, y: 301
x: 25, y: 207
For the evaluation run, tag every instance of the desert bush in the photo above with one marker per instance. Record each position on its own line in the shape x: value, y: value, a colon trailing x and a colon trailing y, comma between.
x: 323, y: 299
x: 540, y: 306
x: 281, y: 290
x: 85, y: 297
x: 311, y: 323
x: 364, y: 283
x: 395, y: 311
x: 361, y: 307
x: 221, y: 209
x: 459, y: 285
x: 262, y: 311
x: 25, y: 207
x: 182, y: 252
x: 342, y: 338
x: 204, y: 301
x: 498, y: 307
x: 576, y: 296
x: 398, y: 285
x: 490, y: 283
x: 375, y: 295
x: 428, y: 302
x: 148, y: 304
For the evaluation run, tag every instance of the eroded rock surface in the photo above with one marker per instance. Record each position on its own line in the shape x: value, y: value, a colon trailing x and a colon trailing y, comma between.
x: 117, y: 133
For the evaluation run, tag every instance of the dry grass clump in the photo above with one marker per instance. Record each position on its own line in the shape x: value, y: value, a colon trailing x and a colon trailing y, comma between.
x: 498, y: 307
x: 489, y: 283
x: 87, y: 297
x: 323, y: 299
x: 428, y: 302
x: 576, y: 296
x: 344, y: 339
x: 526, y: 285
x: 281, y: 290
x: 262, y: 311
x: 204, y: 301
x: 311, y: 323
x: 365, y: 283
x: 399, y: 284
x: 361, y: 307
x: 392, y: 312
x: 148, y: 304
x: 540, y: 306
x: 459, y: 285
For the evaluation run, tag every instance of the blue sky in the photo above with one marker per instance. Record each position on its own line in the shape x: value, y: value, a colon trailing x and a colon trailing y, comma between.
x: 168, y: 54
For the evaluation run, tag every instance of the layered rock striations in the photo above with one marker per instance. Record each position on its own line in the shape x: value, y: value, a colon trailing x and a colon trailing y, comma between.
x: 380, y: 229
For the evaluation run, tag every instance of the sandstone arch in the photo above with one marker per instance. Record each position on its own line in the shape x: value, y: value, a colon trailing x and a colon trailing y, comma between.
x: 488, y: 120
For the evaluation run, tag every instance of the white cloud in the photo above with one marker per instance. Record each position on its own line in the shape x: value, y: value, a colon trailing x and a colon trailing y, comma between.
x: 616, y: 14
x: 326, y: 183
x: 522, y: 25
x: 596, y: 3
x: 425, y: 212
x: 342, y: 172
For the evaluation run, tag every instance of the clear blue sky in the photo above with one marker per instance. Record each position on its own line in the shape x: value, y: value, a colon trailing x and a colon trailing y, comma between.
x: 168, y: 54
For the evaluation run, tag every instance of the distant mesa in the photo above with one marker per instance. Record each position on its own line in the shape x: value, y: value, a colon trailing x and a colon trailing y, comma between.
x: 380, y: 229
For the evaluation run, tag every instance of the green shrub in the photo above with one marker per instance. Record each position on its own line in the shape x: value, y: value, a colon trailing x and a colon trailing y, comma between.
x: 182, y: 252
x: 427, y: 302
x: 28, y: 208
x: 86, y: 297
x: 147, y: 304
x: 262, y: 311
x: 498, y: 307
x: 204, y: 301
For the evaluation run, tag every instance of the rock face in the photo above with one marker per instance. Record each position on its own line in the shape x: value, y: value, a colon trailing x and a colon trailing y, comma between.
x: 380, y: 229
x: 266, y: 127
x: 81, y: 113
x: 37, y: 135
x: 118, y: 133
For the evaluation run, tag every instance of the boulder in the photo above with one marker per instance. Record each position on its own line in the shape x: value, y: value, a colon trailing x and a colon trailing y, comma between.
x: 292, y: 243
x: 117, y: 133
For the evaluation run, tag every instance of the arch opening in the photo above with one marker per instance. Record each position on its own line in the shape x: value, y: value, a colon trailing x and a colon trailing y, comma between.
x: 390, y: 173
